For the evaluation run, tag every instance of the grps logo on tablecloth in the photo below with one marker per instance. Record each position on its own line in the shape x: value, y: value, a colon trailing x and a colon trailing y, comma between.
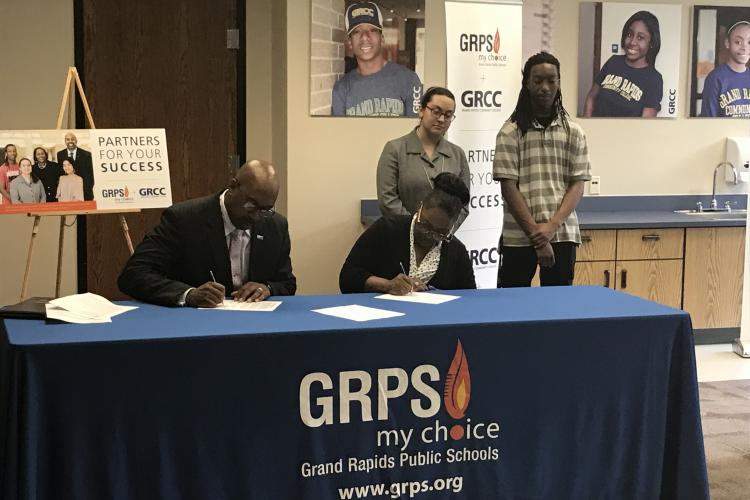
x: 366, y: 402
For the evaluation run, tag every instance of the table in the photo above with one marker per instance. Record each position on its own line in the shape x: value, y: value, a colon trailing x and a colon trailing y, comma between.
x: 555, y: 393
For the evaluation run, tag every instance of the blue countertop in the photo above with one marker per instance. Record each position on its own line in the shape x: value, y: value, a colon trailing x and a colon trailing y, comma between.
x: 623, y: 219
x: 621, y: 212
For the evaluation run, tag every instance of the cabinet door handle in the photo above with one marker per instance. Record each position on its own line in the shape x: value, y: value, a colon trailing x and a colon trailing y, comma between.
x: 650, y: 237
x: 585, y: 239
x: 624, y: 279
x: 606, y: 278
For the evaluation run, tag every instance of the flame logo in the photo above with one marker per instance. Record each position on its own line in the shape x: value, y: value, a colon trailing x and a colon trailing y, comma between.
x: 457, y: 391
x: 496, y: 45
x: 126, y: 192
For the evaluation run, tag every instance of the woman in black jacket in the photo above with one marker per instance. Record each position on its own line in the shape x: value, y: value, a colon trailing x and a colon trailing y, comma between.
x: 406, y: 253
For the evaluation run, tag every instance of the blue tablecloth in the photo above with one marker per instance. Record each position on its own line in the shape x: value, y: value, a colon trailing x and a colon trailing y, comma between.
x: 553, y: 393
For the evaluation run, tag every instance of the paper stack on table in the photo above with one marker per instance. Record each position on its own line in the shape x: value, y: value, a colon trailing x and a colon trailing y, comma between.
x: 84, y: 308
x: 235, y: 305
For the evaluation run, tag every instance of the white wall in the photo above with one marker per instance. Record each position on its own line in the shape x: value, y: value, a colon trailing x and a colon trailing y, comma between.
x: 35, y: 62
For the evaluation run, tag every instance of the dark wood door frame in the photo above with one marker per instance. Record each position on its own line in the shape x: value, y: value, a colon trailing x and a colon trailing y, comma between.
x: 240, y: 139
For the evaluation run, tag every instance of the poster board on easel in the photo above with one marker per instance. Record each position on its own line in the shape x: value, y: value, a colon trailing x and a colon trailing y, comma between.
x: 63, y: 172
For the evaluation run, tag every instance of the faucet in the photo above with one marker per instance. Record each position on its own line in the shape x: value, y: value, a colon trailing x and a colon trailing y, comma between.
x: 714, y: 204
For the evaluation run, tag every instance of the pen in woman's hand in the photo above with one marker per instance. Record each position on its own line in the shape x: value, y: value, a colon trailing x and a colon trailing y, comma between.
x: 411, y: 282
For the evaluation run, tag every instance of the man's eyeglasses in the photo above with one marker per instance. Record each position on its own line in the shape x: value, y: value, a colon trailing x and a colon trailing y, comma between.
x: 429, y: 230
x: 250, y: 206
x: 437, y: 113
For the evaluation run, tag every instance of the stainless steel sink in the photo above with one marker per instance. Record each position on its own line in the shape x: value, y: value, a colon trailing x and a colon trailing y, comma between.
x: 739, y: 214
x: 718, y: 214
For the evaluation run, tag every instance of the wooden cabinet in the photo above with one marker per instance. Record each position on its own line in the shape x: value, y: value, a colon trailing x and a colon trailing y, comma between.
x: 657, y: 280
x: 595, y: 273
x: 643, y: 262
x: 650, y: 263
x: 649, y: 244
x: 714, y: 266
x: 595, y: 258
x: 597, y: 245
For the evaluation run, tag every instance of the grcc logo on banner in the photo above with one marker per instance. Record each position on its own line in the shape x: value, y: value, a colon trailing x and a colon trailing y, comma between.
x: 481, y: 98
x: 149, y: 192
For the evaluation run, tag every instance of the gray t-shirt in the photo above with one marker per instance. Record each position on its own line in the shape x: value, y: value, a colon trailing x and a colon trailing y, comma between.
x: 392, y: 91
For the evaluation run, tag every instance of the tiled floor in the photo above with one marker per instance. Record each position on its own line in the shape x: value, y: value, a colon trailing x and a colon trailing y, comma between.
x: 719, y: 362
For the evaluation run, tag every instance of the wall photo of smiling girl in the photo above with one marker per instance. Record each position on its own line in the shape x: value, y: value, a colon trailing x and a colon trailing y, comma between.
x: 626, y: 60
x: 720, y: 72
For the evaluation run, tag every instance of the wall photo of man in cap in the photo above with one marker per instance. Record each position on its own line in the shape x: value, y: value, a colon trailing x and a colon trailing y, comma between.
x: 377, y: 86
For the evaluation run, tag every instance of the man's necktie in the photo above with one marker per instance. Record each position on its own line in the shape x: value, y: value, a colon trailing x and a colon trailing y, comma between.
x: 236, y: 245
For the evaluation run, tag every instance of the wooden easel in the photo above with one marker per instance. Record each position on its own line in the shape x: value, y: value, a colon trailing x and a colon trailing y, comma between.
x: 72, y: 76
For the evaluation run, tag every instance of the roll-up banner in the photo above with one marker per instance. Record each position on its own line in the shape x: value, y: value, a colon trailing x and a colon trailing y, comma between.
x: 484, y: 73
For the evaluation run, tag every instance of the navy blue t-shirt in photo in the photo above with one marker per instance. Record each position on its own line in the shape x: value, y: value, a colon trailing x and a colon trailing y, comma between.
x: 726, y: 93
x: 625, y: 91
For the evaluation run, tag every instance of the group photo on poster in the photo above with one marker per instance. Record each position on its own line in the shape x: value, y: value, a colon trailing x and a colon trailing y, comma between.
x: 627, y: 54
x: 367, y: 59
x: 74, y: 170
x: 720, y: 69
x: 41, y: 167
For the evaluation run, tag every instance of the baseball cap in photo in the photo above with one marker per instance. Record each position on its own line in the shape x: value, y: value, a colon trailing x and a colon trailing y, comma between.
x: 363, y: 13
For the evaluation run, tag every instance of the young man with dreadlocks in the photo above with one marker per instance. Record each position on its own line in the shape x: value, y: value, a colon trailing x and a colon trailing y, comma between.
x: 541, y: 161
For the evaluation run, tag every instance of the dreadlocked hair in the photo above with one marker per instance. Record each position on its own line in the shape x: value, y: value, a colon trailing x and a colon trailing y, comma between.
x: 523, y: 115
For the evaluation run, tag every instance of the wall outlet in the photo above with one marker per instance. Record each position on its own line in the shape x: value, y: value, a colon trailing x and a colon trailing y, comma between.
x: 595, y: 184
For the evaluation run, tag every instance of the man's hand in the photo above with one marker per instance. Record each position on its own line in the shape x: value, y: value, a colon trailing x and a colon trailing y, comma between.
x: 403, y: 284
x: 210, y: 294
x: 545, y: 255
x: 252, y: 292
x: 543, y: 233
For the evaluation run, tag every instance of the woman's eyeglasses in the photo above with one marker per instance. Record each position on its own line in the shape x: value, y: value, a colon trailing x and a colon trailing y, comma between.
x: 429, y: 230
x: 437, y: 113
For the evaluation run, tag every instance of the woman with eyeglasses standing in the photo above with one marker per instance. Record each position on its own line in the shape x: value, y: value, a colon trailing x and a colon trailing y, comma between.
x: 403, y: 253
x: 409, y: 164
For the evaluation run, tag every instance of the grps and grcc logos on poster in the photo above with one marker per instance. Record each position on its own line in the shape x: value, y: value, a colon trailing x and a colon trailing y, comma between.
x: 131, y: 168
x: 484, y: 51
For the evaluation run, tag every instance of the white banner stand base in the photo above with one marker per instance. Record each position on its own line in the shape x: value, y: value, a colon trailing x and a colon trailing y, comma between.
x: 740, y: 348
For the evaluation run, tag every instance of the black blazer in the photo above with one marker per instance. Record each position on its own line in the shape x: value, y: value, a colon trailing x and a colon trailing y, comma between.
x: 189, y: 243
x: 384, y: 246
x: 84, y: 167
x: 50, y: 177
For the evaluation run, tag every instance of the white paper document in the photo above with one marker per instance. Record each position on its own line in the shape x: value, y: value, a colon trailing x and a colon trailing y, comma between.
x: 358, y: 313
x: 61, y: 314
x: 84, y: 308
x: 90, y: 305
x: 420, y: 297
x: 233, y: 305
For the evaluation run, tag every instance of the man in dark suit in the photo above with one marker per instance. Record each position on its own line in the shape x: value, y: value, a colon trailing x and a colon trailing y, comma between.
x: 81, y: 160
x: 228, y: 244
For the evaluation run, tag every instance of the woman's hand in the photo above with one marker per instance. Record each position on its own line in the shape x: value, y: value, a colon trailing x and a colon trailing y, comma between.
x: 403, y: 284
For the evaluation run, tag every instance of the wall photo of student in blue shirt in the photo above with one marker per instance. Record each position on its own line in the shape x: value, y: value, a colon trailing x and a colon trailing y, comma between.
x: 726, y: 91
